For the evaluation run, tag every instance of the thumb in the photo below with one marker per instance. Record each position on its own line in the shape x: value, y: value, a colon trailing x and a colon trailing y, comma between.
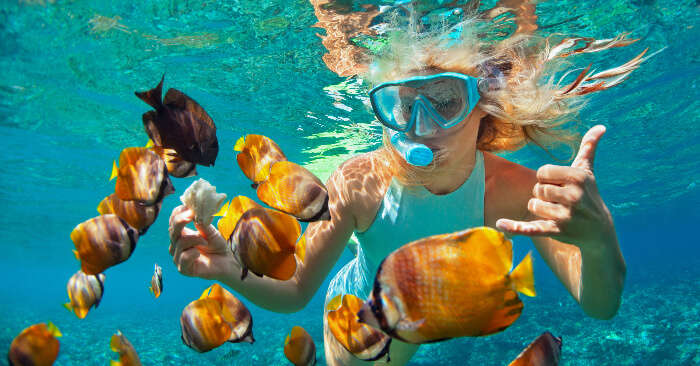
x: 589, y: 143
x: 208, y: 231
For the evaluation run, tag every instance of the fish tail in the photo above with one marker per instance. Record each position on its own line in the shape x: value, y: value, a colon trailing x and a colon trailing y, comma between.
x: 300, y: 249
x: 150, y: 143
x: 150, y: 288
x: 154, y: 96
x: 240, y: 143
x: 53, y: 329
x: 115, y: 363
x: 68, y: 306
x: 115, y: 170
x: 523, y: 277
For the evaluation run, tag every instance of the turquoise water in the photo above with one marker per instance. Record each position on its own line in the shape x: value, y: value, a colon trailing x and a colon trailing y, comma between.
x: 67, y: 109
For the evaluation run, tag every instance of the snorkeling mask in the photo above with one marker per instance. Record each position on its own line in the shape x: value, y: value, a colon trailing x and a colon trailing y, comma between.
x: 420, y: 105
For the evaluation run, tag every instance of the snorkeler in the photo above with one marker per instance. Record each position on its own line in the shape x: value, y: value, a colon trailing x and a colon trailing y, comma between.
x: 446, y: 111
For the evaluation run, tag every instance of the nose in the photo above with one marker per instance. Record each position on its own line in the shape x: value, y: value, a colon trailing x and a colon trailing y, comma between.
x: 423, y: 124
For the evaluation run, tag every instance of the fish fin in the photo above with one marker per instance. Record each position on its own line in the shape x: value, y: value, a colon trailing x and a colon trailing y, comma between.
x: 410, y: 326
x: 53, y: 329
x: 153, y: 97
x: 335, y: 303
x: 115, y: 170
x: 300, y: 249
x: 115, y: 363
x: 227, y: 315
x: 150, y: 288
x: 240, y: 143
x: 248, y: 338
x: 523, y: 278
x: 224, y: 208
x: 68, y: 306
x: 75, y: 253
x: 502, y: 318
x: 150, y: 143
x: 244, y: 273
x: 115, y: 342
x: 206, y: 292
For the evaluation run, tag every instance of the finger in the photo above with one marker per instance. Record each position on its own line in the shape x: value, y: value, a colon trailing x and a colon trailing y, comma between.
x: 176, y: 211
x: 209, y: 231
x: 553, y: 193
x: 589, y: 143
x: 185, y: 243
x: 557, y: 174
x: 548, y: 210
x: 178, y: 223
x: 529, y: 228
x: 184, y: 261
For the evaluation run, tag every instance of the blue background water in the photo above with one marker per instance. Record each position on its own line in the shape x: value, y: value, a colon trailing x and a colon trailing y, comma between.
x: 67, y: 109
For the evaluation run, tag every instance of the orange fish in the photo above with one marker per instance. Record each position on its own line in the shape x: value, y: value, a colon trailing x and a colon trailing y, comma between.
x: 264, y: 241
x: 181, y: 124
x: 449, y: 285
x: 35, y: 346
x: 141, y: 176
x: 256, y: 153
x: 231, y: 213
x: 102, y: 242
x: 299, y: 347
x: 127, y: 354
x: 177, y: 167
x: 157, y: 281
x: 84, y: 292
x: 363, y: 341
x: 136, y: 214
x: 293, y: 189
x: 215, y: 318
x: 543, y: 351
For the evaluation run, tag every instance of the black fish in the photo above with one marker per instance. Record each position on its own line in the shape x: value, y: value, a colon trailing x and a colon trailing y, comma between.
x: 179, y: 123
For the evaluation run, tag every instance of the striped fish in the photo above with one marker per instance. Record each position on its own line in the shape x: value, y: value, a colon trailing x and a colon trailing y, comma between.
x: 447, y: 286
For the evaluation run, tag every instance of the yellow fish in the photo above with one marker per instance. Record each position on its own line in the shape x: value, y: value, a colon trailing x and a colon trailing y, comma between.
x: 299, y: 347
x: 255, y: 155
x: 264, y: 243
x: 364, y: 342
x: 543, y: 351
x: 450, y: 285
x: 231, y: 213
x: 176, y: 166
x: 157, y: 281
x: 102, y: 242
x: 84, y: 292
x: 127, y: 354
x: 293, y: 189
x: 215, y: 318
x: 138, y: 215
x: 35, y: 346
x: 141, y: 176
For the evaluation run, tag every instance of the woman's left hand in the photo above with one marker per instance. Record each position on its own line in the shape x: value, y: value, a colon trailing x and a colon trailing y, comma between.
x: 566, y: 203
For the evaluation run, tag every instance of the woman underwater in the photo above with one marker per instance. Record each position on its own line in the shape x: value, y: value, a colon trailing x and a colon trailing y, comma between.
x: 447, y: 105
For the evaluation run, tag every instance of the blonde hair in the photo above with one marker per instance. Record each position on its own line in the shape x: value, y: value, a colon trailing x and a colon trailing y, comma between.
x: 522, y: 100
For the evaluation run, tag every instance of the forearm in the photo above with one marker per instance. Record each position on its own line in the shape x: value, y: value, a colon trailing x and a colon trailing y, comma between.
x: 603, y: 272
x: 265, y: 292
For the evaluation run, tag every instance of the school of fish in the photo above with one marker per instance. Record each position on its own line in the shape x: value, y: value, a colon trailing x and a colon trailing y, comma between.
x: 436, y: 288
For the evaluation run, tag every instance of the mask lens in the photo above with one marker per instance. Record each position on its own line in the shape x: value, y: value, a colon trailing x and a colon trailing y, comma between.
x: 448, y: 97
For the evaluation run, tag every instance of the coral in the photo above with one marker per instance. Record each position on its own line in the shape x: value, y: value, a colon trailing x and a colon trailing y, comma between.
x: 201, y: 197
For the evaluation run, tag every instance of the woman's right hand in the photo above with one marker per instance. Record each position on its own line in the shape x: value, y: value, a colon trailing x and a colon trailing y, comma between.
x: 198, y: 253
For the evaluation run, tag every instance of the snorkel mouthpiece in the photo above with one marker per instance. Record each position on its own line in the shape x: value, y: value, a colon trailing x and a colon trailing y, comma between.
x: 413, y: 152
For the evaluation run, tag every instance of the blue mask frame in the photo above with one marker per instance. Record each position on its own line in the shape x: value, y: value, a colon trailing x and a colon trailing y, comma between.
x: 422, y: 103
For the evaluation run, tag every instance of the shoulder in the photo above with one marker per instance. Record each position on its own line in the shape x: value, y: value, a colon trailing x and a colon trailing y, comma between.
x: 359, y: 185
x: 508, y: 189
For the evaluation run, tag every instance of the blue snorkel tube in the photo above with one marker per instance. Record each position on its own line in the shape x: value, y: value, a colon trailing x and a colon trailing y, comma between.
x: 413, y: 152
